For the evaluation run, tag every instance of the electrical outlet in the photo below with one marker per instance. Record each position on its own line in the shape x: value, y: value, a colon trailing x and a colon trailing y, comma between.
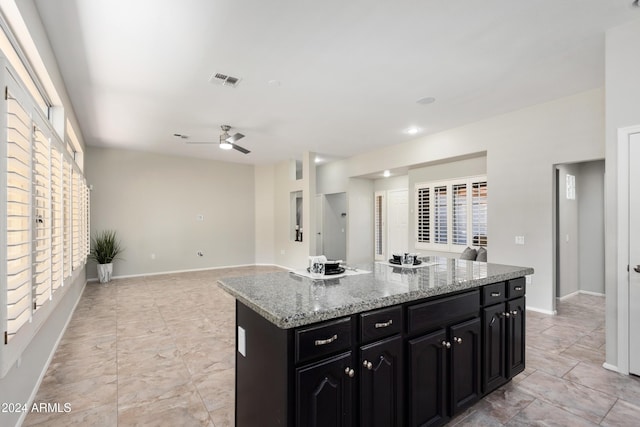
x: 527, y: 280
x: 200, y: 217
x: 519, y: 240
x: 200, y: 253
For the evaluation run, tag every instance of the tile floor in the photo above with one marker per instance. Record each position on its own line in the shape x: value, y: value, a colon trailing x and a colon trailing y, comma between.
x: 159, y: 351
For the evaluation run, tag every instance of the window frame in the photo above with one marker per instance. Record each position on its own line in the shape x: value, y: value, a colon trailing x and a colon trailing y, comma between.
x: 437, y: 227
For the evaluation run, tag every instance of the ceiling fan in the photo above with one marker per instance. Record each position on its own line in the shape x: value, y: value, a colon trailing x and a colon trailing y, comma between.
x: 227, y: 142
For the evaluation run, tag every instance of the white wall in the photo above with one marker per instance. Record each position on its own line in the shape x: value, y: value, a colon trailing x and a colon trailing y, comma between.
x: 590, y: 188
x: 521, y: 148
x: 334, y: 226
x: 391, y: 183
x: 568, y: 238
x: 622, y: 63
x: 360, y: 221
x: 153, y: 200
x: 264, y: 185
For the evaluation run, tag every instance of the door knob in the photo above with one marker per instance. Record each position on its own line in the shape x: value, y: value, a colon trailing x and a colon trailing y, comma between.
x: 636, y: 268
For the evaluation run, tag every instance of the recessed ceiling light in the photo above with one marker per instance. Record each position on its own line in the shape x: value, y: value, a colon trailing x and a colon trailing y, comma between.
x: 426, y: 100
x: 386, y: 173
x: 412, y: 130
x: 318, y: 159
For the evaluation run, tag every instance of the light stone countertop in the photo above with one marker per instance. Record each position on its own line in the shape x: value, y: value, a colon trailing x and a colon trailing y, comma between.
x: 288, y: 300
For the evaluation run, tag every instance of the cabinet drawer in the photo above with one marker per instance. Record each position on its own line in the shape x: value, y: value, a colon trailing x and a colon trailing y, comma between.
x: 493, y: 294
x: 433, y: 314
x: 323, y: 339
x: 516, y: 288
x: 380, y: 323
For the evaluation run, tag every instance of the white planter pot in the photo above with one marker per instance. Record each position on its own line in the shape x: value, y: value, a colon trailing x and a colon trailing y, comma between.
x: 104, y: 272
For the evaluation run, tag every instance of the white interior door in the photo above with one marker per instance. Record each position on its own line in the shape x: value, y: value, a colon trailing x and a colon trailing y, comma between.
x: 319, y: 218
x: 634, y: 253
x: 397, y: 221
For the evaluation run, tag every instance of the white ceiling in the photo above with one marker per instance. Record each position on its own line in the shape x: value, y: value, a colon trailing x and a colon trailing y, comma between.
x: 350, y: 72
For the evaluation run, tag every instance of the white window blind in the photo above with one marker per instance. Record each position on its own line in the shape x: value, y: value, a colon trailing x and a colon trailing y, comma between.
x: 423, y: 226
x: 57, y: 221
x: 41, y: 180
x: 18, y: 225
x: 379, y: 225
x: 66, y: 217
x: 459, y: 208
x: 451, y: 215
x: 440, y: 215
x: 479, y: 218
x: 76, y: 219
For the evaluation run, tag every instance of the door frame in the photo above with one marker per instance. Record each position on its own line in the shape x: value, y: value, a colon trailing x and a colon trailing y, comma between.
x: 624, y: 138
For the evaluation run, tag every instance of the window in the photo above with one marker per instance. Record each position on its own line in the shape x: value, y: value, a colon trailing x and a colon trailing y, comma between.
x: 451, y: 215
x: 46, y: 228
x: 379, y: 224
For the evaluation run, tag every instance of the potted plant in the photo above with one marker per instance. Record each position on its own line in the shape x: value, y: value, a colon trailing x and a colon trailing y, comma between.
x: 105, y: 248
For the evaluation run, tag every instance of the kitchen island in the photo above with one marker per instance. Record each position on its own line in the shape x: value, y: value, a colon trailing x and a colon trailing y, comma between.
x: 392, y: 347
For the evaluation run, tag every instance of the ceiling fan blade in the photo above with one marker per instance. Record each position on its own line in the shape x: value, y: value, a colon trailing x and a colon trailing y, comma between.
x: 235, y: 137
x: 240, y: 149
x: 201, y: 142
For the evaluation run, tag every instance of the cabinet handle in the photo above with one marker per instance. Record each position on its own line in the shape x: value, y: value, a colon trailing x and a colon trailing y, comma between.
x: 458, y: 340
x: 518, y: 288
x: 496, y: 294
x: 327, y: 341
x: 514, y: 313
x: 367, y: 365
x: 350, y: 372
x: 507, y: 314
x: 384, y: 324
x: 446, y: 344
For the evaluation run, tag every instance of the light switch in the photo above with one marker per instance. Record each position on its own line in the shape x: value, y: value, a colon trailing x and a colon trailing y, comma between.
x: 200, y: 217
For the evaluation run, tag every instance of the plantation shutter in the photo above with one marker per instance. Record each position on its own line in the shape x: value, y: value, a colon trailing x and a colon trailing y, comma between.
x: 379, y: 225
x: 459, y: 208
x: 18, y: 224
x: 479, y: 213
x: 42, y: 218
x: 66, y: 216
x: 76, y: 219
x: 440, y: 215
x: 423, y: 208
x: 57, y: 220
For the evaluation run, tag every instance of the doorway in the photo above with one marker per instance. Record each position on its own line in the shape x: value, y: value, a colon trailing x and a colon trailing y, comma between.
x: 397, y: 221
x: 331, y: 228
x: 579, y: 237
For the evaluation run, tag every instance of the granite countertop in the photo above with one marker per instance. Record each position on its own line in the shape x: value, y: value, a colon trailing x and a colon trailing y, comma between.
x: 288, y: 300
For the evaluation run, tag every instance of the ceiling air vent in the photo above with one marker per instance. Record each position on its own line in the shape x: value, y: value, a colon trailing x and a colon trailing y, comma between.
x: 224, y: 80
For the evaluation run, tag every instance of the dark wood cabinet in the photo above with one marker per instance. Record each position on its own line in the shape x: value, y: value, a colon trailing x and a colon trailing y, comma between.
x: 427, y: 375
x: 503, y: 352
x: 515, y: 339
x: 381, y: 384
x: 494, y: 347
x: 413, y: 364
x: 444, y: 373
x: 465, y: 365
x: 325, y: 393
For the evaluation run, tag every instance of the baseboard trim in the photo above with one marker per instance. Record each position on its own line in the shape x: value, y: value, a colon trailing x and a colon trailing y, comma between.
x: 595, y: 294
x: 161, y: 273
x: 610, y: 367
x: 539, y: 310
x: 572, y: 294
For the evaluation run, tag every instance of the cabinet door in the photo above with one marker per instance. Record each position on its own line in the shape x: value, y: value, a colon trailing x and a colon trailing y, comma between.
x: 427, y: 378
x: 516, y: 341
x: 381, y: 382
x: 324, y: 393
x: 465, y: 364
x: 494, y: 347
